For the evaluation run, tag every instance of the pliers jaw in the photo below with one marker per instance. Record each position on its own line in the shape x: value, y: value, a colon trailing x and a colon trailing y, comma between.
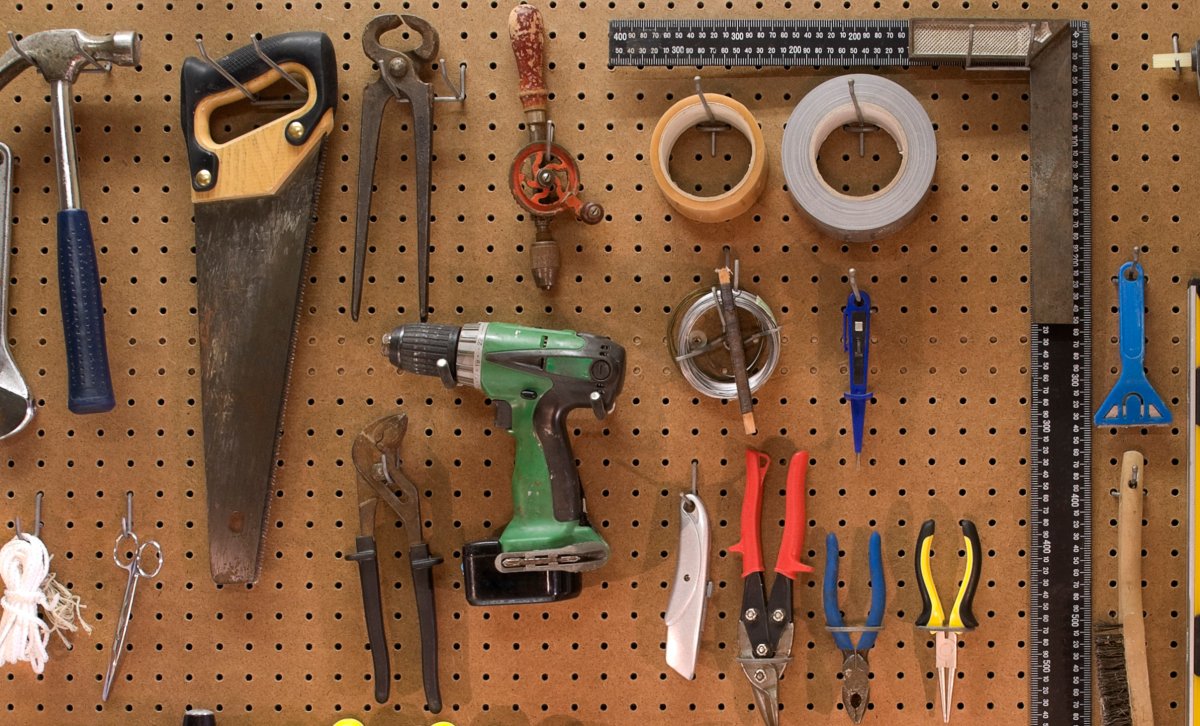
x: 856, y: 685
x: 375, y: 29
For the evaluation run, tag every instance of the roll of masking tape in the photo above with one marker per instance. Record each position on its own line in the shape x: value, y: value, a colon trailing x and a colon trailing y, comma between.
x: 825, y: 110
x: 686, y: 114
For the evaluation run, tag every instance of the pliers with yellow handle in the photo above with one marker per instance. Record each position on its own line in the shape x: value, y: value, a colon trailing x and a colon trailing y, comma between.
x: 933, y: 617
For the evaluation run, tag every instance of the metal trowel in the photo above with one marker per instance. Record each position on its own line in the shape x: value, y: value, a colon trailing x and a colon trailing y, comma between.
x: 16, y: 405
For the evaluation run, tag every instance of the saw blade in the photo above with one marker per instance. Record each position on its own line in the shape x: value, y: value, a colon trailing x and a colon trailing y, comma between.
x: 250, y: 264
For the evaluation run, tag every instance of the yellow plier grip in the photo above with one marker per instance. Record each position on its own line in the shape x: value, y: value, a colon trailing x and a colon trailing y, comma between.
x: 961, y: 616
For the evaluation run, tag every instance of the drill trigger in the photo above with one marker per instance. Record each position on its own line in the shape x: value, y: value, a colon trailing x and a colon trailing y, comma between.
x: 504, y: 418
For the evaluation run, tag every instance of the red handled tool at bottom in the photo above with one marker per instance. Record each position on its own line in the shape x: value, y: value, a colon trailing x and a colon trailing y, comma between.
x: 765, y: 626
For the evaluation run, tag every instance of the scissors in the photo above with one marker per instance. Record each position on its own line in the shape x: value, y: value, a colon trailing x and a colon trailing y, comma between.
x: 130, y: 555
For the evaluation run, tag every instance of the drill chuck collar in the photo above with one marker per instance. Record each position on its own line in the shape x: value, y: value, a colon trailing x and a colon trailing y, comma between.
x: 418, y: 347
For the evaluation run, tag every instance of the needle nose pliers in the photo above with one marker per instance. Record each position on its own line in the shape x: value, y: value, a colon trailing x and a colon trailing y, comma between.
x: 765, y: 627
x: 962, y: 618
x: 856, y: 673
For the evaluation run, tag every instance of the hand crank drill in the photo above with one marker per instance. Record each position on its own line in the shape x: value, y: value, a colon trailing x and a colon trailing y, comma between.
x: 60, y: 56
x: 544, y: 176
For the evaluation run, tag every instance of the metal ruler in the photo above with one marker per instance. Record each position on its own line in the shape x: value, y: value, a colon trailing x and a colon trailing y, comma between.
x: 757, y: 42
x: 1057, y: 54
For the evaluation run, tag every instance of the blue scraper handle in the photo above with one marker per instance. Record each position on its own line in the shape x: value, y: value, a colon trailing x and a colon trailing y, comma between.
x: 1132, y: 400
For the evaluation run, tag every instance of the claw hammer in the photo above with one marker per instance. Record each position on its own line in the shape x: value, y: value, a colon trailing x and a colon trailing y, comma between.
x: 61, y: 56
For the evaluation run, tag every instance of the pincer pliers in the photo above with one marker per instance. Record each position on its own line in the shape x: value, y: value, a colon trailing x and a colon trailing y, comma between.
x: 856, y: 673
x: 765, y: 626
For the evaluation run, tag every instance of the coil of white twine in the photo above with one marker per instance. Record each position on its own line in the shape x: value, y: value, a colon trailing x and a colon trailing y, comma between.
x: 28, y: 584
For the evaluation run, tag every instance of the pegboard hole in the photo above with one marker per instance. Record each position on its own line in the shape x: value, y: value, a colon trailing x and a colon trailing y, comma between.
x: 843, y: 169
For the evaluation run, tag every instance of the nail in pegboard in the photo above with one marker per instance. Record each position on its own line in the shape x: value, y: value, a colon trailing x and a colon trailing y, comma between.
x: 947, y: 434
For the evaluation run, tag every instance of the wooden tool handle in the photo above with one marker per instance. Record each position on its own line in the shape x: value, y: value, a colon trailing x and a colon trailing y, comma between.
x: 527, y: 33
x: 1129, y: 587
x: 737, y: 354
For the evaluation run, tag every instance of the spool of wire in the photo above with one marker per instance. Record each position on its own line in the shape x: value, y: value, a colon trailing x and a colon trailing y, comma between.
x: 696, y: 341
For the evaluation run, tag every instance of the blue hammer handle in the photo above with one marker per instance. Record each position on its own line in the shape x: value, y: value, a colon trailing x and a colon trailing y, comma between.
x: 89, y: 385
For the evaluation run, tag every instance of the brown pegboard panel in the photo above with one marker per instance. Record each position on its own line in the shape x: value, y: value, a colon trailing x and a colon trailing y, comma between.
x: 947, y: 434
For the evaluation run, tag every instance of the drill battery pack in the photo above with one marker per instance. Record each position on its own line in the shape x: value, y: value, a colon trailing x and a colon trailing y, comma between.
x: 486, y: 585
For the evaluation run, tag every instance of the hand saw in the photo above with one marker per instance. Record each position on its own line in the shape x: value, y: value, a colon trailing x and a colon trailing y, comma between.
x: 255, y: 200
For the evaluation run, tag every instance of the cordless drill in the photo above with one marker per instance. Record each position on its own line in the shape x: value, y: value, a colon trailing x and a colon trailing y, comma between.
x: 534, y: 377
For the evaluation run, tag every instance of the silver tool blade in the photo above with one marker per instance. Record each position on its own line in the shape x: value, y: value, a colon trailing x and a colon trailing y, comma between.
x: 250, y: 256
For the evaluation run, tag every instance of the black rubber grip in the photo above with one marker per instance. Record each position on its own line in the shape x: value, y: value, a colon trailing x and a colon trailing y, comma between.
x: 199, y: 80
x: 368, y: 577
x: 89, y: 385
x: 965, y: 613
x: 926, y: 602
x: 417, y: 347
x: 422, y: 573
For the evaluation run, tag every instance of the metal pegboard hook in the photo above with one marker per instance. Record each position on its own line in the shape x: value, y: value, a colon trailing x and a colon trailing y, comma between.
x: 852, y: 274
x: 278, y: 68
x: 37, y: 517
x: 94, y: 66
x: 250, y: 95
x: 1174, y: 51
x: 459, y: 92
x: 16, y: 46
x: 549, y: 152
x: 713, y: 126
x: 861, y: 127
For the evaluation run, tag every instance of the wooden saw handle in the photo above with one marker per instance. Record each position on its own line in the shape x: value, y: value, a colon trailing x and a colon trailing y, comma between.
x: 1129, y: 586
x: 528, y: 35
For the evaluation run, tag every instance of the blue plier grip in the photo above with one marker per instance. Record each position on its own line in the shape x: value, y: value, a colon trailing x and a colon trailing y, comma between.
x: 833, y: 614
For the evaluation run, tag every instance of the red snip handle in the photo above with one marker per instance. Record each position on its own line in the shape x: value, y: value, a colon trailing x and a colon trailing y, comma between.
x: 750, y: 546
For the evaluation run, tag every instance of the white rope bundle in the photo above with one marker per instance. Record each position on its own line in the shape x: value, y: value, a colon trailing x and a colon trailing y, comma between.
x: 28, y: 584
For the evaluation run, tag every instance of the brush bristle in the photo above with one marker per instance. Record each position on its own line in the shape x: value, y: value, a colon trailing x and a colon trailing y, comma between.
x: 1111, y: 676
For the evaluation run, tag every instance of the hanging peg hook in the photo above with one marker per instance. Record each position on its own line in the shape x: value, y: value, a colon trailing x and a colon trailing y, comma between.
x: 37, y: 514
x: 695, y: 476
x: 1174, y: 50
x: 460, y: 92
x: 862, y: 128
x: 250, y: 95
x: 278, y: 68
x: 127, y: 521
x: 549, y: 145
x: 852, y: 274
x: 94, y: 66
x: 16, y: 46
x: 713, y: 126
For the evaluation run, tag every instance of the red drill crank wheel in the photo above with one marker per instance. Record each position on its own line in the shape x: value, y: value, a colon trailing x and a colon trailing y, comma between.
x: 533, y: 193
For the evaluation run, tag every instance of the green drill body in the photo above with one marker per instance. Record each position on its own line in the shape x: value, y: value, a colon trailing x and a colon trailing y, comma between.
x: 533, y: 526
x: 534, y: 377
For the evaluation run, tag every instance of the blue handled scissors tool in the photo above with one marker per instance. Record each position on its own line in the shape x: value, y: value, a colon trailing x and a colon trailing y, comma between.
x: 856, y: 673
x: 130, y: 555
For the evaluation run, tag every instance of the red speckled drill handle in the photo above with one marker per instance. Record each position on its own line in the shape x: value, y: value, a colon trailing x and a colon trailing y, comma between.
x: 750, y: 545
x: 527, y: 33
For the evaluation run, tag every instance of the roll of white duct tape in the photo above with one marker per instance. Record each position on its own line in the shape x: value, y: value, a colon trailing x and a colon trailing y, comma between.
x: 826, y: 109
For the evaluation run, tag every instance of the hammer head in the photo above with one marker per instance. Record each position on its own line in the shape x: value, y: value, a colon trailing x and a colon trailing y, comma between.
x: 61, y: 55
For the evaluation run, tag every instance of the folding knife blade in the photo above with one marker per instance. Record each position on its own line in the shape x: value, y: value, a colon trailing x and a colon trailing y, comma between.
x: 691, y: 588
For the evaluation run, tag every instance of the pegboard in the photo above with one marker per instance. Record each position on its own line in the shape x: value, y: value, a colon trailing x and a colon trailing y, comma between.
x: 947, y: 435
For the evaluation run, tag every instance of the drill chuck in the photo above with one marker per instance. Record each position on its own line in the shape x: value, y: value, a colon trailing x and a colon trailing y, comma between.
x: 417, y: 348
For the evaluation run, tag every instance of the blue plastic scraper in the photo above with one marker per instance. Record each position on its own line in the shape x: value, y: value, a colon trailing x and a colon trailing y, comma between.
x: 1132, y: 400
